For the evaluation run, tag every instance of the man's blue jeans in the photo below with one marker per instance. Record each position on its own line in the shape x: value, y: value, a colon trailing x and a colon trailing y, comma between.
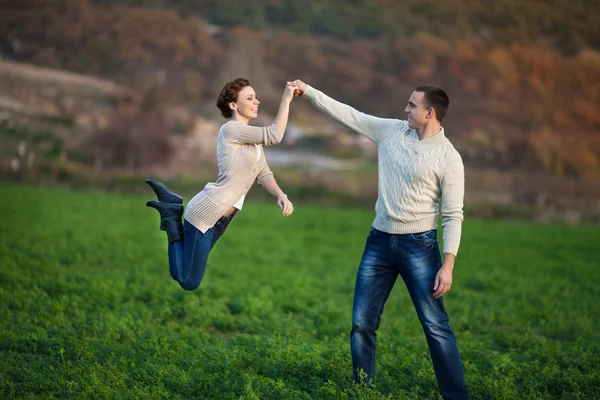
x: 188, y: 257
x: 416, y: 257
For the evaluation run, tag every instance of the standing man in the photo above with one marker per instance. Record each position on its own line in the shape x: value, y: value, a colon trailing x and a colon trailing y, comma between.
x: 420, y: 172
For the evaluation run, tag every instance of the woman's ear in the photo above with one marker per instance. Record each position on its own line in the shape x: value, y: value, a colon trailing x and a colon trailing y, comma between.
x: 232, y: 105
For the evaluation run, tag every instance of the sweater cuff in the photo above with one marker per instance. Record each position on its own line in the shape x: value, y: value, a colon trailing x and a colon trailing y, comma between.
x: 310, y: 92
x: 451, y: 237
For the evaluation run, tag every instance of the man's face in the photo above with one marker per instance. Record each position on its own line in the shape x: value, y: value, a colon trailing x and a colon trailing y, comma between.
x: 416, y: 110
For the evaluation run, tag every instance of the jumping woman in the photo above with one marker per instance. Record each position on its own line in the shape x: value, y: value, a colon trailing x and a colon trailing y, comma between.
x: 241, y: 162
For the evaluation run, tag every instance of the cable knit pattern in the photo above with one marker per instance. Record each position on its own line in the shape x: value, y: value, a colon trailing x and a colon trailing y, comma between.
x: 238, y: 170
x: 415, y: 176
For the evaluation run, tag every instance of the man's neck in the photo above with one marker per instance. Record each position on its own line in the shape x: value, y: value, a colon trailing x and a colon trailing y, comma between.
x: 430, y: 129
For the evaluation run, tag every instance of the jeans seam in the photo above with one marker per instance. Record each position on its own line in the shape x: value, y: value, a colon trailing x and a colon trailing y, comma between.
x: 383, y: 299
x: 191, y: 258
x: 178, y: 259
x: 379, y: 312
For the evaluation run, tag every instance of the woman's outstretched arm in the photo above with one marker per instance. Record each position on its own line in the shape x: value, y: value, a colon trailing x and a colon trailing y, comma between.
x: 267, y: 135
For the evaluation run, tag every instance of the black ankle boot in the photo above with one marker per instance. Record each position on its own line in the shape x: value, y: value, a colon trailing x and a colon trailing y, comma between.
x: 170, y: 218
x: 163, y: 193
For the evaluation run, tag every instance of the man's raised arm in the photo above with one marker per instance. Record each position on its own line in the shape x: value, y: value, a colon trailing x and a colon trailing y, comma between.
x: 373, y: 128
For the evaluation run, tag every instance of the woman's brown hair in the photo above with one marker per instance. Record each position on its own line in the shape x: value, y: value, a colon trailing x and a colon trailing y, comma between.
x: 229, y: 94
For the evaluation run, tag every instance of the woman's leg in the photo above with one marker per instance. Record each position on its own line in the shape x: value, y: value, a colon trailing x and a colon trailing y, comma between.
x: 188, y: 257
x: 188, y: 247
x: 175, y: 258
x: 221, y: 227
x: 170, y: 221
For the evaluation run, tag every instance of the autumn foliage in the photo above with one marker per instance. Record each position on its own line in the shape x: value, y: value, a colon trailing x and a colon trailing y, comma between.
x: 524, y: 82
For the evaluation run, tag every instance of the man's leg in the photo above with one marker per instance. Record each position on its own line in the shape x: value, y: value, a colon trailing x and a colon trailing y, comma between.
x: 374, y: 282
x: 419, y: 260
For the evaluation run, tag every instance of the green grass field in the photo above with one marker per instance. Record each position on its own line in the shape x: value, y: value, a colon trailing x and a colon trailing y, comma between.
x: 89, y: 309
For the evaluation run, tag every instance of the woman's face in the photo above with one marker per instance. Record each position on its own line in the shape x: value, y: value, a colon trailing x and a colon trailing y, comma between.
x: 247, y: 103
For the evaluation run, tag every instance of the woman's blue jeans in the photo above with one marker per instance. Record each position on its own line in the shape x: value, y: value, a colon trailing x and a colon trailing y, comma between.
x: 416, y: 258
x: 188, y: 257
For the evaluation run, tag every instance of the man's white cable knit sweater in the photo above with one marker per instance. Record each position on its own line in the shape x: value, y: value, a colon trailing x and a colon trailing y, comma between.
x: 415, y: 176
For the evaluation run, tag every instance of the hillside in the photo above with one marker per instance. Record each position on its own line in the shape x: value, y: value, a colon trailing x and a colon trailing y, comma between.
x: 563, y: 25
x: 524, y: 83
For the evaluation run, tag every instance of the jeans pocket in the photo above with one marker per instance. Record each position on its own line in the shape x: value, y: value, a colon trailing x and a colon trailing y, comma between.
x: 426, y: 237
x: 373, y: 233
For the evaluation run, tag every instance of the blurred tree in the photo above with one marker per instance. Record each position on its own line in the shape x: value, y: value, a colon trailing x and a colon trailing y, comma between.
x: 562, y: 24
x: 248, y: 13
x: 513, y: 69
x: 133, y: 139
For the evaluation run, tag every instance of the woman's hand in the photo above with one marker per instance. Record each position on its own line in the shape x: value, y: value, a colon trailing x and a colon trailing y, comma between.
x: 288, y: 93
x: 285, y: 205
x: 300, y: 87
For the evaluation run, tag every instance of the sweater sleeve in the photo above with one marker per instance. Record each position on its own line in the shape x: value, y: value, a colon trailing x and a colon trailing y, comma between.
x: 373, y: 128
x: 453, y: 192
x: 265, y: 173
x: 246, y: 134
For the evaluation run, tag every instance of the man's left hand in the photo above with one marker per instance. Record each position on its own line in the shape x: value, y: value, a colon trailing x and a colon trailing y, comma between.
x: 443, y: 281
